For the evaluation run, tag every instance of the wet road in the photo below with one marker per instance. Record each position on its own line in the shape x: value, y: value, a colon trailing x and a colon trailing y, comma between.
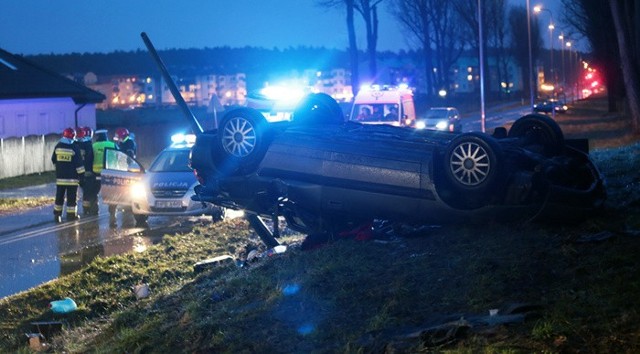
x: 34, y: 250
x: 494, y: 117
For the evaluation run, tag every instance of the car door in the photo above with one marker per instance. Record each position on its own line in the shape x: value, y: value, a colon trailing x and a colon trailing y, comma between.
x: 120, y: 172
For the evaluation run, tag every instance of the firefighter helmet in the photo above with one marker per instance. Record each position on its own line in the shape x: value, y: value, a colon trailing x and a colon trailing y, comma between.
x: 69, y: 133
x: 86, y: 133
x: 121, y: 134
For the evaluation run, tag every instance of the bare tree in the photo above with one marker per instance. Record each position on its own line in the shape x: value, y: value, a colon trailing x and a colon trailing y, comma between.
x: 625, y: 13
x: 592, y: 19
x: 351, y: 32
x: 436, y: 28
x: 520, y: 44
x: 494, y: 29
x: 368, y: 9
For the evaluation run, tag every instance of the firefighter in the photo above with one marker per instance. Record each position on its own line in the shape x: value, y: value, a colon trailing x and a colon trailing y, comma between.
x: 67, y: 159
x: 88, y: 185
x: 102, y: 142
x: 125, y: 142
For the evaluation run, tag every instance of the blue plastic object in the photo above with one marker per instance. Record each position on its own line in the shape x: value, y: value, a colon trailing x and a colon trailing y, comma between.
x: 65, y: 305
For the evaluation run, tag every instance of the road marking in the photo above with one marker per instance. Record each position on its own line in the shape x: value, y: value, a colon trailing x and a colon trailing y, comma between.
x: 48, y: 229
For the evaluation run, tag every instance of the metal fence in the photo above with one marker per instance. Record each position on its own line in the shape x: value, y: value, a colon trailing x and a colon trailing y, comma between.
x: 26, y: 155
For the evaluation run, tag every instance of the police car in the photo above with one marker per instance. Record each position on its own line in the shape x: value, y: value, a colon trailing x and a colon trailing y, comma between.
x: 165, y: 188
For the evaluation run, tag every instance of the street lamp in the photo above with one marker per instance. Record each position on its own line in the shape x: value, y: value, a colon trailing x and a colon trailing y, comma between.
x: 568, y: 44
x: 530, y: 54
x: 561, y: 38
x: 537, y: 9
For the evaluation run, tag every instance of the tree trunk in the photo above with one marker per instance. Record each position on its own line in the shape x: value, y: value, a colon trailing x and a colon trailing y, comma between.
x: 353, y: 49
x: 372, y: 44
x: 629, y: 71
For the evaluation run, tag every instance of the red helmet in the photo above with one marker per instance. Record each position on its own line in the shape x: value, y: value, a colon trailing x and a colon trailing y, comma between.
x: 80, y: 133
x: 121, y: 134
x: 69, y: 133
x: 86, y: 133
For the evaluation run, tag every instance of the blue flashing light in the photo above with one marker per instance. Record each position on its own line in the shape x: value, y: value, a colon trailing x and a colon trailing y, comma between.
x: 181, y: 138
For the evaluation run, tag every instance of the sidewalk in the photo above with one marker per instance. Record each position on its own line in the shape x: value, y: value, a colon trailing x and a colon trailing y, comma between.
x: 42, y: 190
x: 32, y: 217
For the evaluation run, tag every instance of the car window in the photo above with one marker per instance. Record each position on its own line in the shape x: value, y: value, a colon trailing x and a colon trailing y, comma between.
x: 171, y: 161
x: 436, y: 113
x: 119, y: 161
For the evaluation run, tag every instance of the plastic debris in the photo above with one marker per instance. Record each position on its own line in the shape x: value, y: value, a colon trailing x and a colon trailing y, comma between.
x: 141, y: 291
x: 65, y: 305
x: 597, y: 237
x: 212, y: 262
x: 277, y: 250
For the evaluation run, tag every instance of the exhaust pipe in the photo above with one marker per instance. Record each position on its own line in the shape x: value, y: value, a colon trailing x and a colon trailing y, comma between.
x: 195, y: 125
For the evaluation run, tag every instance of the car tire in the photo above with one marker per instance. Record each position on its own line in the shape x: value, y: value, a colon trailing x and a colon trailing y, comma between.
x: 318, y: 108
x: 472, y: 164
x: 538, y: 133
x: 243, y: 137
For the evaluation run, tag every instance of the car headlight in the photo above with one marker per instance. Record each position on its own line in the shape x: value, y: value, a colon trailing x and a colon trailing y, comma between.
x: 442, y: 125
x: 420, y: 125
x: 138, y: 191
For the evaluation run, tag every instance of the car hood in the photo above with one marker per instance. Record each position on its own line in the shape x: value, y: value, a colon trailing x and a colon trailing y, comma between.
x: 170, y: 180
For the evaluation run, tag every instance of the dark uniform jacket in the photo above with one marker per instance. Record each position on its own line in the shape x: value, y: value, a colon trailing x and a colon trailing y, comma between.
x: 86, y: 150
x: 68, y: 161
x: 128, y: 146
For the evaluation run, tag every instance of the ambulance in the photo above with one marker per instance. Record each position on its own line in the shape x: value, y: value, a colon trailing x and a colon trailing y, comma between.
x: 378, y: 104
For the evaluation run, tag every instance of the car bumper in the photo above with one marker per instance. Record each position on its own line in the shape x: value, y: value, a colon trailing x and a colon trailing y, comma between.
x: 171, y: 206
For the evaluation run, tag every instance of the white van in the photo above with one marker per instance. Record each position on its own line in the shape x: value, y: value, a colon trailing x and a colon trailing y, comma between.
x: 384, y: 105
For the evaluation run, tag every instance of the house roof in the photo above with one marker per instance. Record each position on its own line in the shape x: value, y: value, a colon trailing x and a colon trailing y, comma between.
x: 20, y: 78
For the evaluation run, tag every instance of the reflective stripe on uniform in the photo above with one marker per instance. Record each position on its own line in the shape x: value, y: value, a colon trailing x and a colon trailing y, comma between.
x: 80, y: 170
x: 64, y: 155
x: 67, y: 181
x: 72, y: 210
x: 57, y: 207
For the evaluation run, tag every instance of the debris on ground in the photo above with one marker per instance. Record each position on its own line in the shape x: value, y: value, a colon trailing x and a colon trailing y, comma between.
x: 597, y: 237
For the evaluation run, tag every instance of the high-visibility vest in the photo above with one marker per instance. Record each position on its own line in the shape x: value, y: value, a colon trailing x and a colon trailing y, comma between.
x: 98, y: 154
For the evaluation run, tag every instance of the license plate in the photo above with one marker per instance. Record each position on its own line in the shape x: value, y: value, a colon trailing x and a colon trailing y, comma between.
x: 168, y: 204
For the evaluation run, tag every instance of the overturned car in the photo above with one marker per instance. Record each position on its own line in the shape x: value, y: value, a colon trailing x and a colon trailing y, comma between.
x: 324, y: 174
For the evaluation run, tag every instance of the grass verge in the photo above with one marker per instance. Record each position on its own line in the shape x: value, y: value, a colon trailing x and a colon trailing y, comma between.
x: 27, y: 180
x: 13, y: 205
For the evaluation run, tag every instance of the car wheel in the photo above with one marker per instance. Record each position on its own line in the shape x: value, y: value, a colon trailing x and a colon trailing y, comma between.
x: 141, y: 220
x: 539, y: 133
x: 471, y: 168
x: 242, y: 140
x: 318, y: 108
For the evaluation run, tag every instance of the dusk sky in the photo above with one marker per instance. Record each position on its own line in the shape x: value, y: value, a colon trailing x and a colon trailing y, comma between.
x: 64, y: 26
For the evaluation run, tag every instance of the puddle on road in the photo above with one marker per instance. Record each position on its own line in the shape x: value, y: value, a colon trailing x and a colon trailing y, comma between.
x: 32, y: 261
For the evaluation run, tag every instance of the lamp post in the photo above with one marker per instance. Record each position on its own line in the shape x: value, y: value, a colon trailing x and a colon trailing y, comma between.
x: 561, y: 38
x: 481, y: 62
x: 537, y: 9
x: 568, y: 44
x: 530, y: 54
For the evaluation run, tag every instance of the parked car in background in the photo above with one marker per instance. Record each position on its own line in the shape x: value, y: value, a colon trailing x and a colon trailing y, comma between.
x: 548, y: 106
x: 165, y: 188
x: 440, y: 118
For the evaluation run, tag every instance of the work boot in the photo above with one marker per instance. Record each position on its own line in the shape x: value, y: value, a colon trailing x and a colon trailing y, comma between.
x: 57, y: 219
x: 72, y: 216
